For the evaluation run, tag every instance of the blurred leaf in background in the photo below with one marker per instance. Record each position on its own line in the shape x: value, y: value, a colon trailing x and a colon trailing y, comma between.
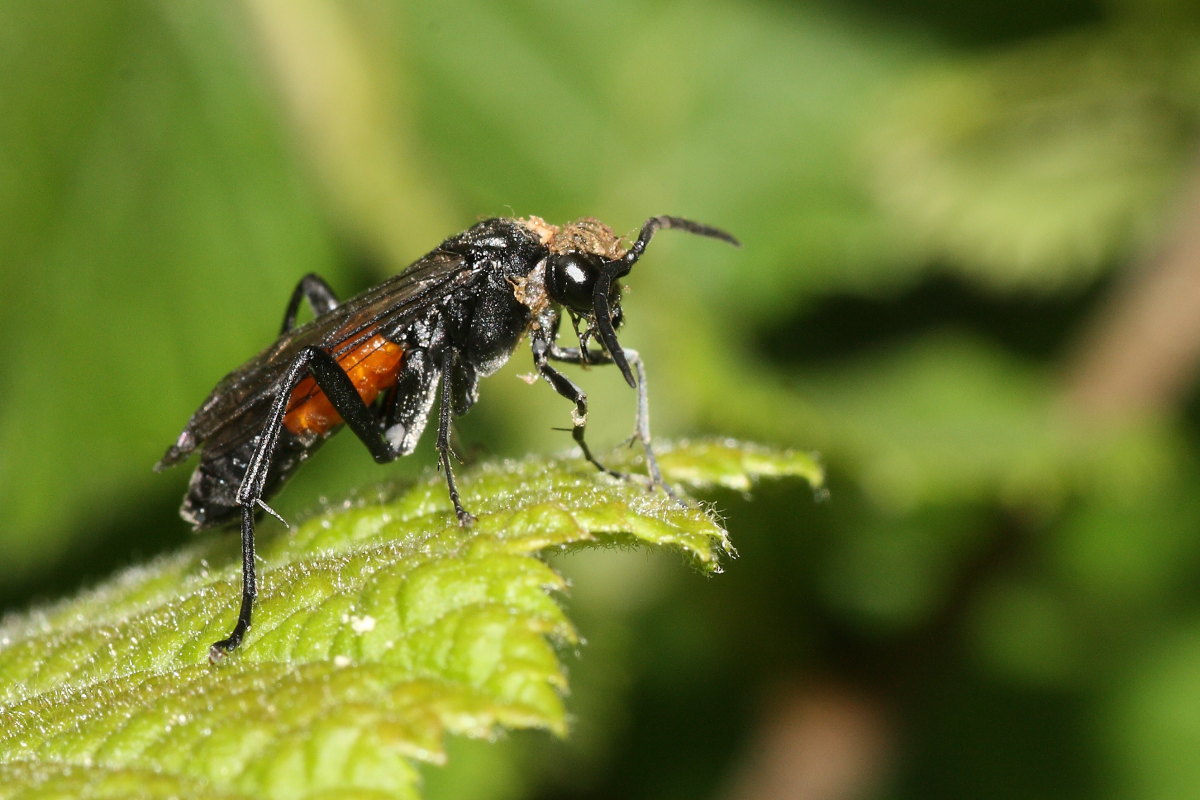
x: 969, y: 278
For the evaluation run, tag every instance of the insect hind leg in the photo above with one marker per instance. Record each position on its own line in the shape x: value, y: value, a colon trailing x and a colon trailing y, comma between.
x: 320, y: 296
x: 358, y: 417
x: 220, y: 649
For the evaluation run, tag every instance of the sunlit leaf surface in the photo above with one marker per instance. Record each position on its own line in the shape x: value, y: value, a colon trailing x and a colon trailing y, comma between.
x: 381, y: 627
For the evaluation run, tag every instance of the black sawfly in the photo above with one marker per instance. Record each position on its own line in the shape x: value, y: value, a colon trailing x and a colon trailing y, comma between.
x: 378, y: 361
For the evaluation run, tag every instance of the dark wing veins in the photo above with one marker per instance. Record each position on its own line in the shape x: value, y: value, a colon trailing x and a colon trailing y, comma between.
x: 237, y: 408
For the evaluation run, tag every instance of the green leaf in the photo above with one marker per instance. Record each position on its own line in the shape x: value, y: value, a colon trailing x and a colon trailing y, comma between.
x: 381, y: 626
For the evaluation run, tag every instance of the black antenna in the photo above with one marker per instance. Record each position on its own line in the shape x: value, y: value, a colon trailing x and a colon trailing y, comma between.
x: 621, y: 267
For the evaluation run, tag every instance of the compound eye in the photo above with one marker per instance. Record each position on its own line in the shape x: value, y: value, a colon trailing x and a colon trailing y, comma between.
x: 571, y: 279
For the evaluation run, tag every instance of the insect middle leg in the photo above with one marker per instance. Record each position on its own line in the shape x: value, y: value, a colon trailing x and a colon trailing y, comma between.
x: 445, y: 409
x: 359, y: 417
x: 406, y: 406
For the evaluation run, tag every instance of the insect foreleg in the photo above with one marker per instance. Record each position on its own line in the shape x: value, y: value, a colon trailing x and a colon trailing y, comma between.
x: 321, y: 299
x: 577, y: 355
x: 544, y: 350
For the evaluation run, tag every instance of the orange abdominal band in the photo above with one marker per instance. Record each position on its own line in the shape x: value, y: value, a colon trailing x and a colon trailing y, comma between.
x: 372, y: 367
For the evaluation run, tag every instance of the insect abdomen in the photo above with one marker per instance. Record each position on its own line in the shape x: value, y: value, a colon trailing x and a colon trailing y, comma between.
x: 211, y: 499
x: 372, y: 367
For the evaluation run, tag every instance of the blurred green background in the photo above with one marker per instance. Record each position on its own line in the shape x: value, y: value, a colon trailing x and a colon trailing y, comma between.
x: 970, y: 279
